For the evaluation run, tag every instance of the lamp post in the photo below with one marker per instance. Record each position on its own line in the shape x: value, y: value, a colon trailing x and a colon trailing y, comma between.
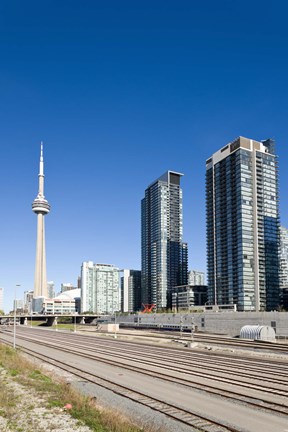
x: 192, y: 328
x: 181, y: 326
x: 115, y: 334
x: 75, y: 323
x: 14, y: 329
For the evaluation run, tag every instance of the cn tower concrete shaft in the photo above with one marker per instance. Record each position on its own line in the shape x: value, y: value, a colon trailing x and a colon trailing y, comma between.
x: 41, y: 207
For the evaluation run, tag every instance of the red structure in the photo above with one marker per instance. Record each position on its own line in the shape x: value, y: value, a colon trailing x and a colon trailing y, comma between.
x: 148, y: 308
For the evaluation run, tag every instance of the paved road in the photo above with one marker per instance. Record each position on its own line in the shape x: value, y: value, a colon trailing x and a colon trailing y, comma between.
x: 241, y: 417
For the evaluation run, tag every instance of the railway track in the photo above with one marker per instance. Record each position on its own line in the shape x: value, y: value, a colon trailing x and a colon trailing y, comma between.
x: 187, y: 417
x: 213, y: 340
x: 278, y: 373
x: 263, y: 398
x: 220, y: 363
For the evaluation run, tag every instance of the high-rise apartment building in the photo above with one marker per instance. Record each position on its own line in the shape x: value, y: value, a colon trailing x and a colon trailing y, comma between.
x: 28, y: 301
x: 18, y: 304
x: 100, y: 288
x: 51, y: 289
x: 183, y: 271
x: 242, y: 214
x: 196, y: 277
x: 283, y: 257
x: 164, y: 256
x: 131, y: 291
x: 67, y: 287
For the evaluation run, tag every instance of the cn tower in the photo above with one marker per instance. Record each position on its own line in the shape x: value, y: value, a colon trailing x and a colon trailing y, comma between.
x: 41, y: 207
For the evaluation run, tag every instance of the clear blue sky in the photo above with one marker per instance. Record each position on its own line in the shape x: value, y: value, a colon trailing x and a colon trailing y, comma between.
x: 120, y: 92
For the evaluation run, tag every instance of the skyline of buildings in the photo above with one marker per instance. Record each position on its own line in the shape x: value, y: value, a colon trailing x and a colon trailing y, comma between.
x: 242, y: 213
x: 148, y: 117
x: 245, y: 228
x: 164, y: 256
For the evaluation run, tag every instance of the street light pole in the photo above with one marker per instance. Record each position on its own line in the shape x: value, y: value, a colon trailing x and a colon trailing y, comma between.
x: 14, y: 329
x: 115, y: 334
x: 192, y: 329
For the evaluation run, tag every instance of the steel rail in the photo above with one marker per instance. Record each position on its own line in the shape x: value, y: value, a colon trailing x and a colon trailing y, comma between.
x: 190, y: 418
x: 257, y: 402
x: 231, y: 356
x: 216, y: 339
x: 220, y: 364
x: 178, y: 368
x: 184, y: 354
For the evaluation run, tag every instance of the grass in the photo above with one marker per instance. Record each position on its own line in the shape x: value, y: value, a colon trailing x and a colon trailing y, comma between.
x: 64, y: 326
x: 34, y: 323
x: 55, y: 393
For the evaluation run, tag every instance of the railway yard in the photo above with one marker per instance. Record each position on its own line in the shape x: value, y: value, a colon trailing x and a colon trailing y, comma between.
x: 215, y: 384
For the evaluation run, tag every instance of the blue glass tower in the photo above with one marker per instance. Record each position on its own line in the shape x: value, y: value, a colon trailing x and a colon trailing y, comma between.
x: 164, y: 256
x: 242, y: 225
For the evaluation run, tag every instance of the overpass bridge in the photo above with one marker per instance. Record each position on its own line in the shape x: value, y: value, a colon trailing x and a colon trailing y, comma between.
x: 50, y: 320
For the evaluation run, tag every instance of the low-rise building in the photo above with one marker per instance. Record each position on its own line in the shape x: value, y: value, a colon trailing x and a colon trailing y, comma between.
x: 184, y: 297
x: 65, y: 303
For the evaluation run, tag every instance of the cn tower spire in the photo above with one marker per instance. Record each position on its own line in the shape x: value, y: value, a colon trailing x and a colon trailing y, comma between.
x: 41, y: 207
x: 41, y: 169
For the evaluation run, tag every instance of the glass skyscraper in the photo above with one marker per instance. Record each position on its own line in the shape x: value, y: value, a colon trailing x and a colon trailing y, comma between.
x: 164, y: 256
x: 284, y: 257
x: 131, y: 291
x: 242, y: 225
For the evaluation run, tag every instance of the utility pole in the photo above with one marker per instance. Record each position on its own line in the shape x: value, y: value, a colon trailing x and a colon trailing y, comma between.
x: 14, y: 328
x: 115, y: 334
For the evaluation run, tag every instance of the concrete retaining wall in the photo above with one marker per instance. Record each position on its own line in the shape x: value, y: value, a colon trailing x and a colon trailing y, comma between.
x: 225, y: 323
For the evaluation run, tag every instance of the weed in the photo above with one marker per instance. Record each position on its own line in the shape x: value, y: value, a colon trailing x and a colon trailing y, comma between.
x: 37, y: 375
x: 52, y: 403
x: 55, y: 394
x: 13, y: 372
